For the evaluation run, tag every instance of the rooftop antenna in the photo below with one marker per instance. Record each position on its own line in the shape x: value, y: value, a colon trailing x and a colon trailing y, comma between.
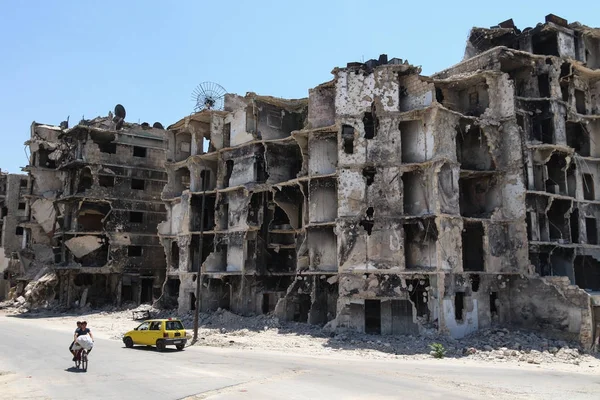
x: 208, y: 96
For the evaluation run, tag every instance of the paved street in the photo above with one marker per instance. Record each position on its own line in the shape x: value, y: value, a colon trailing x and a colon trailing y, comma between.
x: 35, y: 364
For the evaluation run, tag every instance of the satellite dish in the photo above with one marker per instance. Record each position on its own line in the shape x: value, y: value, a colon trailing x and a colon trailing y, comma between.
x: 208, y: 96
x: 120, y: 111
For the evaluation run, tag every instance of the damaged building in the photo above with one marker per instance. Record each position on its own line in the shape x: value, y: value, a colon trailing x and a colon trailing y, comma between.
x: 395, y: 203
x: 94, y: 206
x: 385, y: 202
x: 13, y: 188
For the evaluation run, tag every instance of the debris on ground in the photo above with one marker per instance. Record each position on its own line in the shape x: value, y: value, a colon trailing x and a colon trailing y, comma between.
x: 225, y: 329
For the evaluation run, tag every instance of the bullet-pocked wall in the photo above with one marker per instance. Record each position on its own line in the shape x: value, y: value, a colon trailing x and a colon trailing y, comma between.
x: 95, y: 206
x: 396, y: 203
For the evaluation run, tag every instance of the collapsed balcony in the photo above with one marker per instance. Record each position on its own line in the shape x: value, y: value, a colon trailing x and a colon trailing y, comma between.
x: 292, y: 201
x: 91, y: 216
x: 270, y: 118
x: 89, y: 251
x: 552, y: 172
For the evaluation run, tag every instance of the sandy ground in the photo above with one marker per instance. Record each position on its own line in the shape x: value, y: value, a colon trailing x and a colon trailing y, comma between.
x: 224, y: 329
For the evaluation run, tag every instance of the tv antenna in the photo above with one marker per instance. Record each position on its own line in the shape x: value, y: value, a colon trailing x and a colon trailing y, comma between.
x: 208, y: 96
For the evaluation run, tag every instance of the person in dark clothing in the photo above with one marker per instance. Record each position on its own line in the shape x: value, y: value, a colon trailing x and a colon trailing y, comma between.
x: 81, y: 330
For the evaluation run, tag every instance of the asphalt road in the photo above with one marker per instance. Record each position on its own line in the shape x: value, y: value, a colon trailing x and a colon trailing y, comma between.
x: 35, y: 364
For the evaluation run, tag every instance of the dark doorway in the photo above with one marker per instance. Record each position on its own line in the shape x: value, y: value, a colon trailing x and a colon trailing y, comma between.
x: 146, y: 290
x: 86, y: 180
x: 126, y: 293
x: 301, y: 308
x: 493, y: 306
x: 591, y: 230
x: 544, y: 85
x: 459, y: 306
x: 228, y: 172
x: 587, y: 272
x: 574, y: 224
x: 174, y: 255
x: 373, y: 317
x: 472, y: 247
x: 588, y: 187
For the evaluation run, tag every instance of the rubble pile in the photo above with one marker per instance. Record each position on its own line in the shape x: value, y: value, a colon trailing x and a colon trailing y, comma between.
x: 40, y: 292
x: 488, y: 345
x: 266, y: 332
x: 225, y: 329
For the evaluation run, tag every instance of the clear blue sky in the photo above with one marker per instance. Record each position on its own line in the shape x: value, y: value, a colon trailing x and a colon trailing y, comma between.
x: 82, y: 57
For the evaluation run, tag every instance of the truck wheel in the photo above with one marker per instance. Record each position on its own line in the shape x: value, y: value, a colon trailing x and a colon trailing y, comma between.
x: 179, y: 346
x: 160, y: 345
x: 128, y: 342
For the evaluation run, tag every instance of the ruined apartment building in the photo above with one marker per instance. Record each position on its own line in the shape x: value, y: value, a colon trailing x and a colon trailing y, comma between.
x: 94, y: 207
x: 13, y: 188
x: 391, y: 202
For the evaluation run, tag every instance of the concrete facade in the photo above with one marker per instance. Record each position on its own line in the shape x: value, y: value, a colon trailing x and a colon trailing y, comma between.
x: 94, y: 208
x: 396, y: 203
x: 386, y: 202
x: 13, y: 190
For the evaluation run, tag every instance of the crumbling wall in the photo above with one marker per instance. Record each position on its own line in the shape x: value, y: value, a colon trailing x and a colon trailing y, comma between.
x: 552, y: 305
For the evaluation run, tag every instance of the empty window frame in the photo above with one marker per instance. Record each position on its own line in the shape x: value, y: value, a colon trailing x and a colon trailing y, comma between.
x: 134, y: 251
x: 138, y: 184
x: 106, y: 180
x: 139, y: 151
x: 136, y: 217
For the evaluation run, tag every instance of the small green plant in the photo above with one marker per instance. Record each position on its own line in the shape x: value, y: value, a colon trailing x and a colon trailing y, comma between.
x: 437, y: 350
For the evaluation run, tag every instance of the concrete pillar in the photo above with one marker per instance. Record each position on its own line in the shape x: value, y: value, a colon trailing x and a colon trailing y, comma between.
x: 118, y: 289
x: 386, y: 317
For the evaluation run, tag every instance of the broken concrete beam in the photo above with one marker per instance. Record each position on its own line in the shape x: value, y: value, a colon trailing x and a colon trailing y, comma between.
x: 82, y: 245
x: 44, y: 213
